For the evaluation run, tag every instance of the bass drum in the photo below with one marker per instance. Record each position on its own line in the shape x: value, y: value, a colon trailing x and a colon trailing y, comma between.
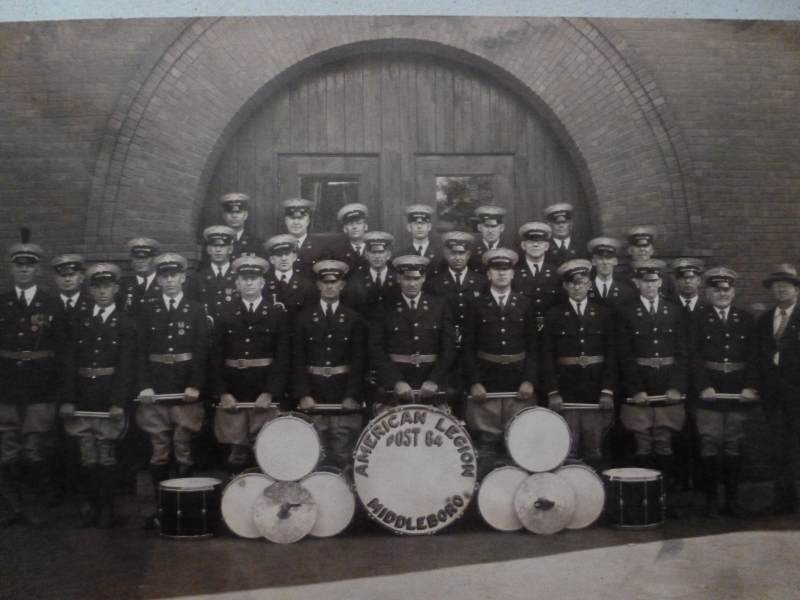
x: 496, y: 498
x: 414, y: 469
x: 538, y: 439
x: 238, y: 500
x: 335, y: 500
x: 590, y: 494
x: 288, y: 447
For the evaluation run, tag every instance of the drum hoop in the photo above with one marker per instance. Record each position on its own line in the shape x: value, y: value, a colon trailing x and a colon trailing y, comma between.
x: 242, y: 475
x: 532, y: 409
x: 305, y: 421
x: 632, y: 478
x: 206, y: 488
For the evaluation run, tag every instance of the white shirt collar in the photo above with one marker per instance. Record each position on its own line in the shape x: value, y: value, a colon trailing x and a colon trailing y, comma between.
x: 582, y: 305
x: 301, y: 241
x: 105, y: 312
x: 239, y: 235
x: 74, y: 298
x: 375, y: 274
x: 497, y: 296
x: 288, y: 274
x: 256, y: 303
x: 356, y: 246
x: 453, y: 274
x: 424, y: 246
x: 777, y: 314
x: 646, y: 303
x: 29, y: 293
x: 493, y: 245
x: 416, y: 300
x: 565, y: 242
x: 692, y: 302
x: 599, y: 282
x: 149, y: 279
x: 224, y: 268
x: 530, y: 264
x: 177, y: 299
x: 324, y: 305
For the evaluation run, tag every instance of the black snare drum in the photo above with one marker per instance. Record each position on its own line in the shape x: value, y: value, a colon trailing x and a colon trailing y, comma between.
x: 635, y: 498
x: 189, y: 508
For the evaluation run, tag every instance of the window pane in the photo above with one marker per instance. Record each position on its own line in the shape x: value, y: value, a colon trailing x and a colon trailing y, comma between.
x: 457, y: 197
x: 329, y: 193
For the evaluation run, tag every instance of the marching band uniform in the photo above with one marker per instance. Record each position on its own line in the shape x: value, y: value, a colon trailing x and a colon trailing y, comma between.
x: 216, y: 284
x: 292, y: 288
x: 136, y: 289
x: 421, y: 215
x: 244, y: 243
x: 609, y: 292
x: 345, y: 249
x: 561, y: 247
x: 538, y: 281
x: 367, y: 287
x: 309, y: 251
x: 488, y: 218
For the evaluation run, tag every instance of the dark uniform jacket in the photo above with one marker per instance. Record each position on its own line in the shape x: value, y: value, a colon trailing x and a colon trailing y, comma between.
x: 71, y: 316
x: 101, y: 345
x: 566, y: 335
x: 544, y: 290
x: 343, y: 250
x: 216, y: 294
x: 317, y: 343
x: 295, y: 295
x: 558, y: 257
x: 781, y: 382
x: 510, y: 331
x: 731, y: 342
x: 363, y: 295
x: 38, y: 327
x: 618, y: 294
x: 624, y: 272
x: 158, y: 332
x: 311, y: 252
x: 131, y: 294
x: 434, y: 253
x: 476, y: 257
x: 241, y: 335
x: 443, y: 285
x: 247, y: 245
x: 662, y: 335
x: 428, y: 330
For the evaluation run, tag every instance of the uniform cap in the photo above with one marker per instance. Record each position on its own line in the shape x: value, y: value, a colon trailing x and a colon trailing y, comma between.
x: 330, y: 270
x: 652, y: 266
x: 500, y: 258
x: 297, y: 207
x: 416, y: 212
x: 720, y: 277
x: 250, y: 265
x: 458, y: 240
x: 235, y: 201
x: 102, y: 272
x: 278, y: 244
x: 378, y: 241
x: 25, y: 251
x: 558, y: 212
x: 352, y: 212
x: 170, y: 263
x: 604, y: 245
x: 574, y: 268
x: 783, y: 272
x: 535, y: 231
x: 65, y: 264
x: 219, y: 235
x: 143, y: 247
x: 411, y: 265
x: 681, y: 266
x: 641, y: 236
x: 490, y: 215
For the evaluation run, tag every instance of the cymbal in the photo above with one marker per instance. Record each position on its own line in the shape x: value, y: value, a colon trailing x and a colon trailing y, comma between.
x: 284, y: 512
x: 544, y: 503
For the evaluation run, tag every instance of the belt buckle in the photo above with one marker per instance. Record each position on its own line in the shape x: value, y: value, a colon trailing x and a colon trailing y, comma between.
x: 326, y: 371
x: 169, y: 359
x: 26, y: 355
x: 727, y: 367
x: 241, y: 363
x: 655, y: 363
x: 415, y: 358
x: 583, y: 360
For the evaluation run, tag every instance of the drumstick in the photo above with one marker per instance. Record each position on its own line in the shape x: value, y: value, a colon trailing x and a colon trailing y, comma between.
x: 580, y: 406
x: 319, y: 407
x: 163, y: 397
x: 91, y: 413
x: 652, y: 400
x: 730, y: 397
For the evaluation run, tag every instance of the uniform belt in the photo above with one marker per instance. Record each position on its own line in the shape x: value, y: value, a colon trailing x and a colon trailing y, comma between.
x: 656, y: 362
x: 87, y: 372
x: 27, y: 355
x: 503, y: 359
x: 725, y: 367
x: 169, y: 359
x: 328, y: 371
x: 414, y: 359
x: 580, y: 360
x: 246, y: 363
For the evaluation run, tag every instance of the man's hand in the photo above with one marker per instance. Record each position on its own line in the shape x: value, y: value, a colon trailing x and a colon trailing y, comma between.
x: 403, y: 391
x: 227, y: 401
x: 307, y: 403
x: 555, y: 402
x: 66, y: 410
x: 606, y: 401
x: 709, y: 394
x: 264, y: 401
x: 672, y: 396
x: 116, y: 413
x: 147, y: 396
x: 640, y: 398
x: 349, y: 404
x: 748, y: 395
x: 478, y: 392
x: 525, y: 391
x: 428, y: 389
x: 191, y: 394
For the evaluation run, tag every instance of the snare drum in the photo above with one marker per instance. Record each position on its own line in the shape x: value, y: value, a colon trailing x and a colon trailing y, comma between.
x: 414, y: 469
x: 288, y: 447
x: 635, y: 498
x: 335, y: 500
x: 590, y: 494
x: 538, y: 439
x: 496, y: 497
x: 238, y: 499
x: 189, y: 508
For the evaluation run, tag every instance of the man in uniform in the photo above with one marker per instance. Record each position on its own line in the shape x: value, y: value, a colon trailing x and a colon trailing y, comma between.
x: 249, y: 361
x: 100, y: 380
x: 412, y: 339
x: 216, y: 284
x: 605, y: 289
x: 641, y: 247
x: 491, y: 227
x: 687, y: 273
x: 32, y: 340
x: 562, y: 248
x: 778, y: 332
x: 172, y: 346
x: 419, y: 217
x: 653, y: 356
x: 579, y: 363
x: 133, y: 290
x: 69, y: 275
x: 286, y: 285
x: 723, y: 362
x: 235, y: 210
x: 328, y: 363
x: 372, y: 283
x: 534, y: 277
x: 500, y: 349
x: 297, y: 217
x: 350, y: 248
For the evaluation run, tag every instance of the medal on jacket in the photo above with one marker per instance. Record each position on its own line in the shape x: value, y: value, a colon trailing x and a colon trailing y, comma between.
x: 181, y: 327
x: 228, y: 294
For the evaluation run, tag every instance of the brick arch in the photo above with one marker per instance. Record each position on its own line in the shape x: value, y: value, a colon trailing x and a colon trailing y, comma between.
x: 164, y: 141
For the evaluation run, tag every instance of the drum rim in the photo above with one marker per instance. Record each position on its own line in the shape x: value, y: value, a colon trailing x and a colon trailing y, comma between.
x: 533, y: 409
x: 479, y: 487
x: 305, y: 421
x: 206, y: 488
x: 633, y: 478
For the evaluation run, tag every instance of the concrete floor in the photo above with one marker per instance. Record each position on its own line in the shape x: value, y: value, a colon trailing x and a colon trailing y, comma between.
x: 692, y: 557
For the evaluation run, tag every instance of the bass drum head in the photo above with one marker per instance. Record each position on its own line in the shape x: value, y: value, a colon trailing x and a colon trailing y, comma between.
x: 190, y: 484
x: 538, y: 439
x: 237, y: 503
x: 336, y: 503
x: 284, y: 512
x: 544, y: 503
x: 632, y: 474
x: 496, y: 498
x: 414, y: 469
x: 590, y: 494
x: 288, y: 448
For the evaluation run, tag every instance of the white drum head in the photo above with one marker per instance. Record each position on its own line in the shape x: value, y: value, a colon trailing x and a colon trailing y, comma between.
x: 195, y: 484
x: 544, y: 503
x: 287, y: 448
x: 632, y: 474
x: 414, y: 469
x: 335, y: 503
x: 496, y: 497
x: 538, y: 439
x: 237, y: 503
x: 590, y: 494
x: 284, y: 512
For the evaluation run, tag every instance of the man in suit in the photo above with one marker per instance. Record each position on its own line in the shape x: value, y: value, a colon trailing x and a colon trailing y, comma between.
x: 653, y: 356
x: 579, y: 363
x: 374, y: 282
x: 216, y: 284
x: 249, y: 361
x: 723, y: 361
x: 778, y: 333
x: 328, y: 362
x: 420, y: 217
x: 500, y: 348
x: 350, y: 248
x: 534, y: 277
x: 562, y: 248
x: 235, y: 211
x: 288, y: 283
x: 491, y: 227
x: 412, y: 339
x: 135, y: 289
x: 297, y: 218
x: 32, y: 346
x: 100, y: 379
x: 605, y: 289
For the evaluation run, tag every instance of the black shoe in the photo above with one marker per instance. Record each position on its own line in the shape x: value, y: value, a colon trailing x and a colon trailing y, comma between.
x: 89, y: 514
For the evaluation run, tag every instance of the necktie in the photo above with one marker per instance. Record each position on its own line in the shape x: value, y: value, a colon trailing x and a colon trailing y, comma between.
x: 502, y: 302
x: 652, y: 308
x: 99, y: 316
x: 413, y: 305
x: 378, y: 281
x: 419, y: 250
x: 172, y: 306
x: 328, y: 312
x: 782, y: 324
x: 578, y: 308
x: 143, y: 287
x: 536, y: 270
x: 722, y: 316
x: 70, y: 303
x: 688, y: 305
x: 219, y: 274
x: 358, y: 250
x: 458, y: 279
x: 22, y: 301
x: 605, y: 289
x: 283, y: 278
x: 250, y: 309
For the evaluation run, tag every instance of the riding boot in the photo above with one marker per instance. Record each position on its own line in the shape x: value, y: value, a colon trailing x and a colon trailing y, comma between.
x: 107, y: 476
x: 10, y: 489
x: 709, y: 473
x: 158, y: 473
x: 733, y: 467
x: 90, y: 507
x: 666, y: 464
